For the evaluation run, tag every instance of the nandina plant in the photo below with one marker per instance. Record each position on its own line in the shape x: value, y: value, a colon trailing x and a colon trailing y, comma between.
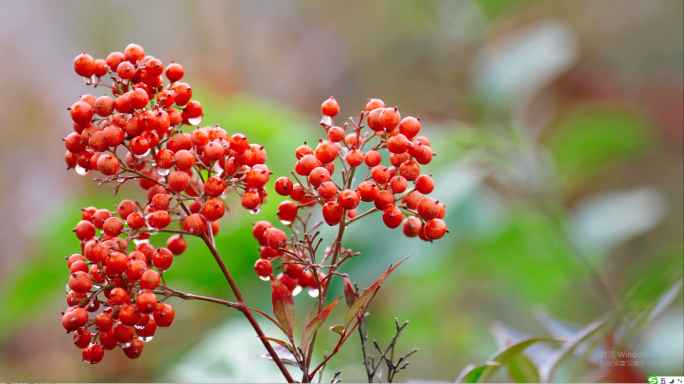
x: 118, y: 295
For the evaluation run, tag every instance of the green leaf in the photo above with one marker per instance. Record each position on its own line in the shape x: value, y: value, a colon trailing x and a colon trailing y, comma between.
x: 548, y: 369
x: 339, y: 328
x: 471, y: 373
x: 507, y: 354
x: 596, y: 139
x: 522, y: 370
x: 283, y: 306
x: 361, y: 303
x: 665, y: 300
x: 314, y: 325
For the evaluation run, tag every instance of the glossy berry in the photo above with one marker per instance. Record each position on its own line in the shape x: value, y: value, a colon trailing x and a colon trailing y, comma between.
x: 348, y: 199
x: 332, y: 213
x: 146, y: 302
x: 330, y: 107
x: 149, y: 280
x: 163, y: 315
x: 283, y: 186
x: 392, y: 217
x: 276, y: 238
x: 287, y: 212
x: 435, y: 228
x: 428, y: 208
x: 263, y: 268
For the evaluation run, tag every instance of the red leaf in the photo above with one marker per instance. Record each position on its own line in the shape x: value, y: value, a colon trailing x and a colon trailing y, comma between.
x: 314, y: 325
x: 360, y: 304
x: 349, y: 294
x: 283, y: 306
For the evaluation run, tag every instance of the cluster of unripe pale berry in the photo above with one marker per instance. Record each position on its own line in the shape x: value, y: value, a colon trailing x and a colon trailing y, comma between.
x: 387, y: 187
x: 134, y: 133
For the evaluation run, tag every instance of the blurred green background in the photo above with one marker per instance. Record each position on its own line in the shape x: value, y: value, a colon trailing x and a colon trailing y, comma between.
x: 558, y: 128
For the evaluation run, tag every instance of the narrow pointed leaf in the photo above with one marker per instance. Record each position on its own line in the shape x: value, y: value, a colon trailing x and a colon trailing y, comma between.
x: 283, y: 306
x: 314, y: 325
x: 270, y: 318
x: 665, y: 300
x: 339, y: 328
x: 549, y: 367
x: 471, y: 373
x: 349, y: 294
x: 282, y: 343
x: 284, y: 354
x: 522, y: 370
x: 507, y: 354
x: 361, y: 303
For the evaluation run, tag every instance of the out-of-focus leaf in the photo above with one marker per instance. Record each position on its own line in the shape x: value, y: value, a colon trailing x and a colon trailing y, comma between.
x: 482, y: 373
x: 522, y: 370
x: 594, y: 140
x: 548, y: 369
x: 361, y: 303
x: 665, y: 300
x: 339, y: 328
x: 282, y: 343
x: 506, y: 335
x: 471, y: 373
x: 314, y: 325
x: 285, y: 355
x: 283, y: 306
x: 603, y: 222
x: 504, y: 356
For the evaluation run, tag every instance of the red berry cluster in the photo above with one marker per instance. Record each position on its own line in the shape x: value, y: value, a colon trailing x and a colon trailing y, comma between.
x: 186, y: 176
x: 387, y: 187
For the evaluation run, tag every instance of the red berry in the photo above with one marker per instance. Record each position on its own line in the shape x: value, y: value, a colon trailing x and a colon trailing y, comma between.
x: 82, y: 338
x: 84, y: 65
x: 95, y: 353
x: 326, y: 151
x: 276, y: 238
x: 332, y: 213
x: 374, y: 104
x: 327, y: 189
x: 336, y: 134
x: 389, y: 118
x: 330, y: 107
x: 178, y: 181
x: 160, y: 219
x: 354, y: 158
x: 428, y: 208
x: 372, y: 158
x: 135, y: 269
x: 84, y: 230
x: 129, y: 314
x: 80, y: 282
x: 424, y: 184
x: 239, y: 143
x: 412, y: 200
x: 117, y: 263
x: 384, y: 199
x: 374, y: 119
x: 392, y: 217
x: 398, y: 184
x: 182, y: 93
x: 398, y: 144
x: 288, y: 282
x: 81, y: 112
x: 162, y: 259
x: 318, y: 175
x: 164, y: 315
x: 146, y: 302
x: 435, y: 228
x: 195, y: 224
x: 263, y: 268
x: 287, y: 212
x: 135, y: 349
x: 409, y: 126
x: 368, y: 191
x: 283, y: 186
x: 125, y: 70
x: 410, y: 170
x: 74, y: 319
x: 380, y: 174
x: 302, y: 151
x: 174, y: 72
x: 135, y: 220
x: 104, y: 322
x: 113, y: 226
x: 154, y: 67
x: 149, y: 280
x: 348, y: 199
x: 108, y: 340
x: 133, y: 53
